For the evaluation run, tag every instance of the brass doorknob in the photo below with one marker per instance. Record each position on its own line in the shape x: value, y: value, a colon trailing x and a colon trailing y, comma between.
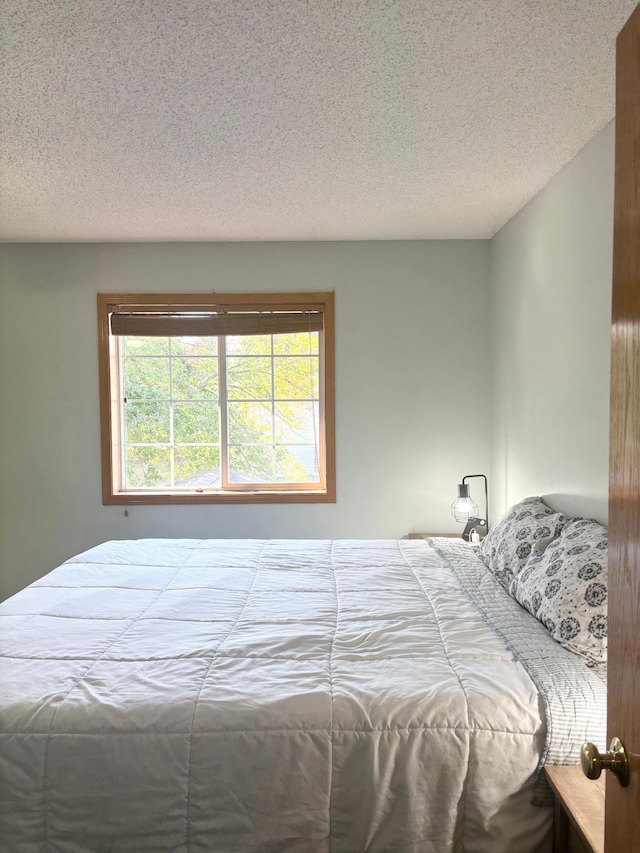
x: 616, y: 760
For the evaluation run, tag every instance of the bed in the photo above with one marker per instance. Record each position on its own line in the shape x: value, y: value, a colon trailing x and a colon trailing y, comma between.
x: 279, y: 695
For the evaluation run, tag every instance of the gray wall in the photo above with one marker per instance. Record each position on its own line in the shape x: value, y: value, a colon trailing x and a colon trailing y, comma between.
x: 551, y: 314
x: 413, y: 415
x: 416, y: 353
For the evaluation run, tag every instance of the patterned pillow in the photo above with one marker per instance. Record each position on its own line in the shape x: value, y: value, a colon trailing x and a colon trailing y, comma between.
x: 507, y: 546
x: 566, y: 589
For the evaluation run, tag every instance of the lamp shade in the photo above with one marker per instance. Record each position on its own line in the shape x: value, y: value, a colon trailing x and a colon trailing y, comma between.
x: 464, y: 506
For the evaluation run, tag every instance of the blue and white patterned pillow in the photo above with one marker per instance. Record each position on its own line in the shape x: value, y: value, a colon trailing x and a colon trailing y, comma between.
x: 566, y: 588
x: 508, y: 545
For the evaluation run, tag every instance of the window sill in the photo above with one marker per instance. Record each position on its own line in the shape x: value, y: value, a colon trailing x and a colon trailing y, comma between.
x: 275, y: 497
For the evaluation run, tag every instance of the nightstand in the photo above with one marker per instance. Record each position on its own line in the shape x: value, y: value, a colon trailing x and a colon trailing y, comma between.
x: 473, y: 545
x: 441, y: 535
x: 578, y: 821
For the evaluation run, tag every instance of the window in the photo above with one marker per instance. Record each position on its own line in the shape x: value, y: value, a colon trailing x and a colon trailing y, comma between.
x: 217, y: 398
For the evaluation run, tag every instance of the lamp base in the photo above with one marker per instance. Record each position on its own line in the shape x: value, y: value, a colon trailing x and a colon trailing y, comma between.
x: 477, y: 524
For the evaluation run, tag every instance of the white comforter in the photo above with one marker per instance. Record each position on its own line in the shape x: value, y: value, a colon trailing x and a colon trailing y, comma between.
x: 183, y: 695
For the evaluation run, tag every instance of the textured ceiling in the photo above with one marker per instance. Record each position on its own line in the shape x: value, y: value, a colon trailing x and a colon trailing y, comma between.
x: 293, y: 119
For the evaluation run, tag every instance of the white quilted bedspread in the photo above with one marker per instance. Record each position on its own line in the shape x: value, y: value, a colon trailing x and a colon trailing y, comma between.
x: 223, y: 695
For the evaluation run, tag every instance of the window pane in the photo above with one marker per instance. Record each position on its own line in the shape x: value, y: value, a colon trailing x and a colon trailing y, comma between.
x: 197, y: 467
x: 301, y: 343
x: 248, y: 344
x: 147, y: 423
x: 250, y: 423
x: 147, y: 467
x: 146, y: 378
x: 194, y: 377
x: 296, y: 423
x: 194, y: 346
x: 297, y: 464
x: 196, y: 423
x: 251, y: 464
x: 144, y: 346
x: 249, y: 378
x: 296, y: 378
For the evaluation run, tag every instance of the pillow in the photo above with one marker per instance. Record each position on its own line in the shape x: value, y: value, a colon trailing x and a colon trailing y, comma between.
x: 507, y: 546
x: 566, y: 589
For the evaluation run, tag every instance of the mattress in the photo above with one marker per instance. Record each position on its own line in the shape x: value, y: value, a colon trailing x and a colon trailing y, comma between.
x: 268, y: 695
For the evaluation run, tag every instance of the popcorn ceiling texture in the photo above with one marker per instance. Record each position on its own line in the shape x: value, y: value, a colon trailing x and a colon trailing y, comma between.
x: 293, y: 120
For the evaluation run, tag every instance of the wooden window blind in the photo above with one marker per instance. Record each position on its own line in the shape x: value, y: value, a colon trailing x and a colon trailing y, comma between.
x: 207, y: 324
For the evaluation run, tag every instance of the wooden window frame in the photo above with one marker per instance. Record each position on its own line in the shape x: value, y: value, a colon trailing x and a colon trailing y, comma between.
x: 110, y: 397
